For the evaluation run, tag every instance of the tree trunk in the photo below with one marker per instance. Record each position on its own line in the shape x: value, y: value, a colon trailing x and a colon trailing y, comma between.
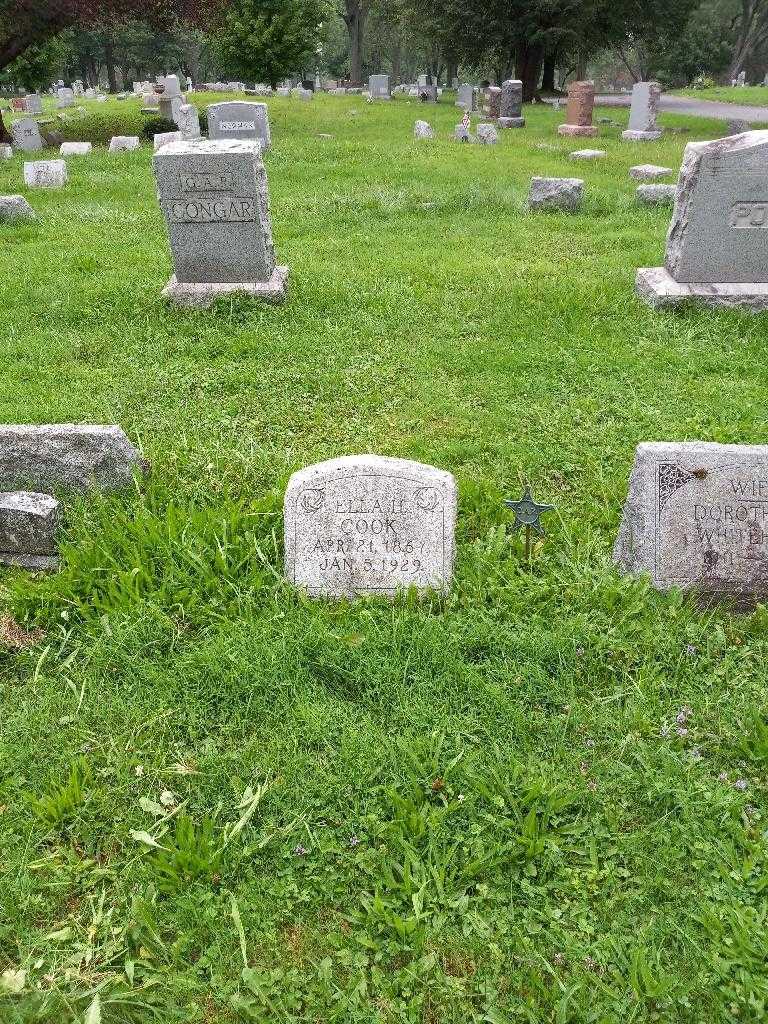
x: 548, y: 73
x: 4, y: 133
x: 528, y: 61
x: 451, y: 71
x: 109, y: 60
x: 397, y: 59
x: 354, y: 17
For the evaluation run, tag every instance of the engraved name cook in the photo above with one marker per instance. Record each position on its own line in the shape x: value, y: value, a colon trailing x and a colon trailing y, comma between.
x: 711, y: 525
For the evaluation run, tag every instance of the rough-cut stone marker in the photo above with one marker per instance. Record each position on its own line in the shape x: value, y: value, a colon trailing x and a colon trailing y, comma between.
x: 587, y: 154
x: 511, y: 104
x: 365, y: 524
x: 33, y: 104
x: 696, y: 517
x: 75, y: 149
x: 656, y: 195
x: 423, y: 130
x: 188, y: 121
x: 67, y: 456
x: 240, y: 120
x: 15, y: 208
x: 649, y: 172
x: 555, y: 193
x: 578, y: 112
x: 123, y: 143
x: 29, y: 523
x: 718, y: 237
x: 487, y: 134
x: 646, y: 97
x: 165, y: 139
x: 216, y: 204
x: 25, y: 135
x: 45, y: 173
x: 6, y: 151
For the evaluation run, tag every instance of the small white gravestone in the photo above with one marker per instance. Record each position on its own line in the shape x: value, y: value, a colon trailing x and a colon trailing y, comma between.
x: 696, y: 517
x: 366, y: 524
x: 45, y: 173
x: 423, y: 130
x: 646, y: 97
x: 6, y: 151
x: 718, y: 237
x: 123, y: 143
x: 649, y: 172
x: 75, y: 148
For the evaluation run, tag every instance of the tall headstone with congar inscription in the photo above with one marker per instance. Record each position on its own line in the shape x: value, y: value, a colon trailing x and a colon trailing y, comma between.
x: 578, y: 112
x: 718, y: 237
x: 216, y: 204
x: 646, y: 97
x: 239, y: 120
x: 366, y: 524
x: 696, y: 518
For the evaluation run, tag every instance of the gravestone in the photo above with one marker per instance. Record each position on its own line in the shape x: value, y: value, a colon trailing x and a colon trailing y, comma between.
x: 67, y: 456
x: 421, y: 81
x: 511, y: 108
x: 656, y: 195
x: 123, y: 143
x: 6, y: 151
x: 578, y: 112
x: 239, y: 120
x: 646, y: 97
x: 466, y: 97
x: 378, y: 87
x: 188, y: 121
x: 164, y: 138
x: 696, y: 517
x: 423, y: 130
x: 366, y: 524
x: 29, y: 523
x: 75, y: 149
x: 45, y: 173
x: 490, y: 105
x: 215, y: 200
x: 741, y: 79
x: 649, y: 172
x: 587, y: 154
x: 428, y: 93
x: 718, y: 237
x: 555, y: 194
x: 65, y: 97
x: 33, y: 104
x: 26, y: 135
x: 17, y: 103
x: 487, y: 134
x: 15, y: 208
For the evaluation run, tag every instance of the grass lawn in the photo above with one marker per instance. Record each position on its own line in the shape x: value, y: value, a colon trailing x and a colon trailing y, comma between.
x: 750, y: 95
x: 516, y: 804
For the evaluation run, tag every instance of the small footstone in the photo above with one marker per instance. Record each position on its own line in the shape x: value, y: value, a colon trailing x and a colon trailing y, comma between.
x: 555, y: 193
x: 649, y: 172
x: 6, y: 151
x: 656, y: 195
x: 29, y: 522
x: 75, y: 148
x: 45, y: 173
x: 463, y: 134
x: 163, y: 138
x: 587, y: 154
x: 487, y: 134
x: 423, y: 130
x: 366, y: 524
x: 694, y: 519
x: 15, y: 208
x: 123, y: 143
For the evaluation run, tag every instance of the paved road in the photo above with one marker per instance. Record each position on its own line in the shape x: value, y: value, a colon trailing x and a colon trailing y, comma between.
x: 699, y: 108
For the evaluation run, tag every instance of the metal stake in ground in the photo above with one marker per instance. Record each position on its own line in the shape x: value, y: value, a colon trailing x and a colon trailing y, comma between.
x: 528, y: 513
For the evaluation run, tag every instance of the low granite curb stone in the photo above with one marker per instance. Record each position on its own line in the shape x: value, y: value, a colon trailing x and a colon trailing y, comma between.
x: 15, y: 208
x: 29, y: 523
x: 587, y: 154
x: 555, y: 193
x: 75, y: 149
x: 649, y: 172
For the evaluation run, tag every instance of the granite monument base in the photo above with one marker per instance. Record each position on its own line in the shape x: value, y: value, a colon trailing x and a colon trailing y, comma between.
x: 201, y: 295
x: 587, y: 131
x: 659, y: 289
x: 635, y: 136
x: 511, y: 122
x: 33, y: 563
